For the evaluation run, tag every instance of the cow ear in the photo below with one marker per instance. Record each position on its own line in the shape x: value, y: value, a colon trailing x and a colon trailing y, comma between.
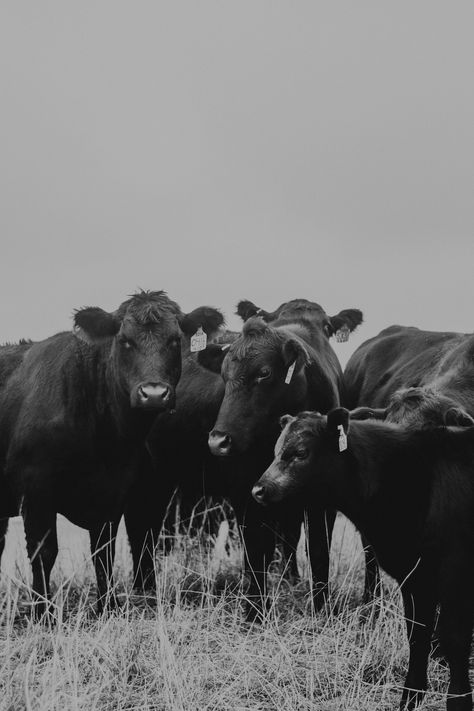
x: 285, y: 420
x: 337, y: 418
x: 246, y: 309
x: 457, y: 417
x: 368, y: 413
x: 345, y: 322
x: 295, y: 352
x: 210, y: 320
x: 212, y: 357
x: 93, y: 324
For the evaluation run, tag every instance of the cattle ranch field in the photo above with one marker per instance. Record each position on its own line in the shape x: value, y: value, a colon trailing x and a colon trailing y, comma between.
x: 189, y: 648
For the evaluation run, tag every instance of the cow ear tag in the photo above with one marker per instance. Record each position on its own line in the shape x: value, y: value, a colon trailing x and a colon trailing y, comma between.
x: 198, y: 341
x: 290, y: 372
x: 342, y: 438
x: 342, y: 334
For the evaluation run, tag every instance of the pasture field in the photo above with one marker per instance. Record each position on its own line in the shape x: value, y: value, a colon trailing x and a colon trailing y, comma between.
x: 189, y: 648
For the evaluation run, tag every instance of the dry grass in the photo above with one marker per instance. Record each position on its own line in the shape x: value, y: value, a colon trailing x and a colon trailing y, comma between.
x: 189, y: 648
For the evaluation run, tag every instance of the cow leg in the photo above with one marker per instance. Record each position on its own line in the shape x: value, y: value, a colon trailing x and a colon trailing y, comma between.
x: 372, y: 573
x: 42, y: 547
x: 103, y: 539
x: 259, y: 546
x: 420, y: 606
x: 291, y: 537
x: 319, y: 532
x: 143, y: 539
x: 455, y: 628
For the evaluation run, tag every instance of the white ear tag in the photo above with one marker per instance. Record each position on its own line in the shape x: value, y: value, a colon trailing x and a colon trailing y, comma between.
x: 290, y: 372
x: 198, y: 341
x: 342, y: 438
x: 342, y: 334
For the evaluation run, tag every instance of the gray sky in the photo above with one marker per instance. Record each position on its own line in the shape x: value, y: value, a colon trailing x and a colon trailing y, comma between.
x: 255, y: 149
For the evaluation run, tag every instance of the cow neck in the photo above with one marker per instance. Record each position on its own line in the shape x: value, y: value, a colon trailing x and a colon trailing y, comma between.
x: 369, y: 468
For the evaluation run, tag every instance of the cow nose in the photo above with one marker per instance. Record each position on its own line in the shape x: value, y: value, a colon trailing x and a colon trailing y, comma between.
x: 220, y: 443
x: 154, y: 395
x: 258, y: 493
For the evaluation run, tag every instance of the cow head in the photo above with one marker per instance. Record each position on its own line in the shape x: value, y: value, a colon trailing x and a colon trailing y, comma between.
x: 143, y: 341
x: 422, y: 407
x: 304, y: 444
x: 266, y: 371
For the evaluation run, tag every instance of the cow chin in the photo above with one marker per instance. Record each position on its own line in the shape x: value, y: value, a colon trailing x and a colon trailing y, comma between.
x: 156, y: 396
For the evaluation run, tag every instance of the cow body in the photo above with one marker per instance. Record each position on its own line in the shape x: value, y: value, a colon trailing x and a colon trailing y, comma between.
x: 74, y: 415
x: 282, y: 361
x: 403, y: 357
x: 412, y: 493
x: 11, y: 356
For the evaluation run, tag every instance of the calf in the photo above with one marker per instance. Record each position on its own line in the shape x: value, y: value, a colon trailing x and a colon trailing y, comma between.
x: 74, y: 416
x: 411, y: 492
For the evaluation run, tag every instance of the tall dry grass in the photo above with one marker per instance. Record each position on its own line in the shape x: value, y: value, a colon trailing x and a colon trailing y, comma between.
x: 189, y: 648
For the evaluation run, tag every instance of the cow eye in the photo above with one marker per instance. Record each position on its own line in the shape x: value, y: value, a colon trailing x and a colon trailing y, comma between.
x: 327, y: 328
x: 302, y: 453
x: 264, y: 373
x: 126, y: 343
x: 174, y: 342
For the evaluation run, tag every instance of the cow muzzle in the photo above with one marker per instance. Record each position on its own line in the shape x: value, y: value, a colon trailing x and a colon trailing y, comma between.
x: 220, y: 443
x: 267, y: 492
x: 154, y: 396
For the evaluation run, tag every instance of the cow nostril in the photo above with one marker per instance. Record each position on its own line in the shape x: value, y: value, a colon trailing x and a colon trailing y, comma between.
x: 142, y: 393
x: 220, y: 442
x: 225, y: 442
x: 258, y: 493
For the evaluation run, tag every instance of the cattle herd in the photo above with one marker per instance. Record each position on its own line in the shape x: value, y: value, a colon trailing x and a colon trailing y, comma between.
x: 110, y: 419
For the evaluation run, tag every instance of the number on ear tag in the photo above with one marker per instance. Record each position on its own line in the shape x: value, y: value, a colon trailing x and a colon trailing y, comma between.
x: 198, y: 341
x: 342, y: 438
x: 342, y: 334
x: 290, y: 372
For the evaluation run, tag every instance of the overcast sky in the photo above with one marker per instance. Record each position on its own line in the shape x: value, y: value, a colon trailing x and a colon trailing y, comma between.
x: 225, y: 150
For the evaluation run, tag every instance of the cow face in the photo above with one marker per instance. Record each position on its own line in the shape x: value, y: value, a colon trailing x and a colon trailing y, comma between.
x: 308, y: 447
x: 263, y: 371
x: 143, y: 341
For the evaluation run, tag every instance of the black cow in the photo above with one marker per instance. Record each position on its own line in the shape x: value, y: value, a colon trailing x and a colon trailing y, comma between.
x: 401, y: 357
x: 412, y: 493
x: 73, y: 419
x: 181, y: 465
x: 282, y: 361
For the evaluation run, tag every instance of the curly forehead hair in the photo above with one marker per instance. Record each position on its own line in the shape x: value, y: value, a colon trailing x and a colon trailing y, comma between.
x: 149, y: 307
x: 307, y: 422
x: 255, y: 334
